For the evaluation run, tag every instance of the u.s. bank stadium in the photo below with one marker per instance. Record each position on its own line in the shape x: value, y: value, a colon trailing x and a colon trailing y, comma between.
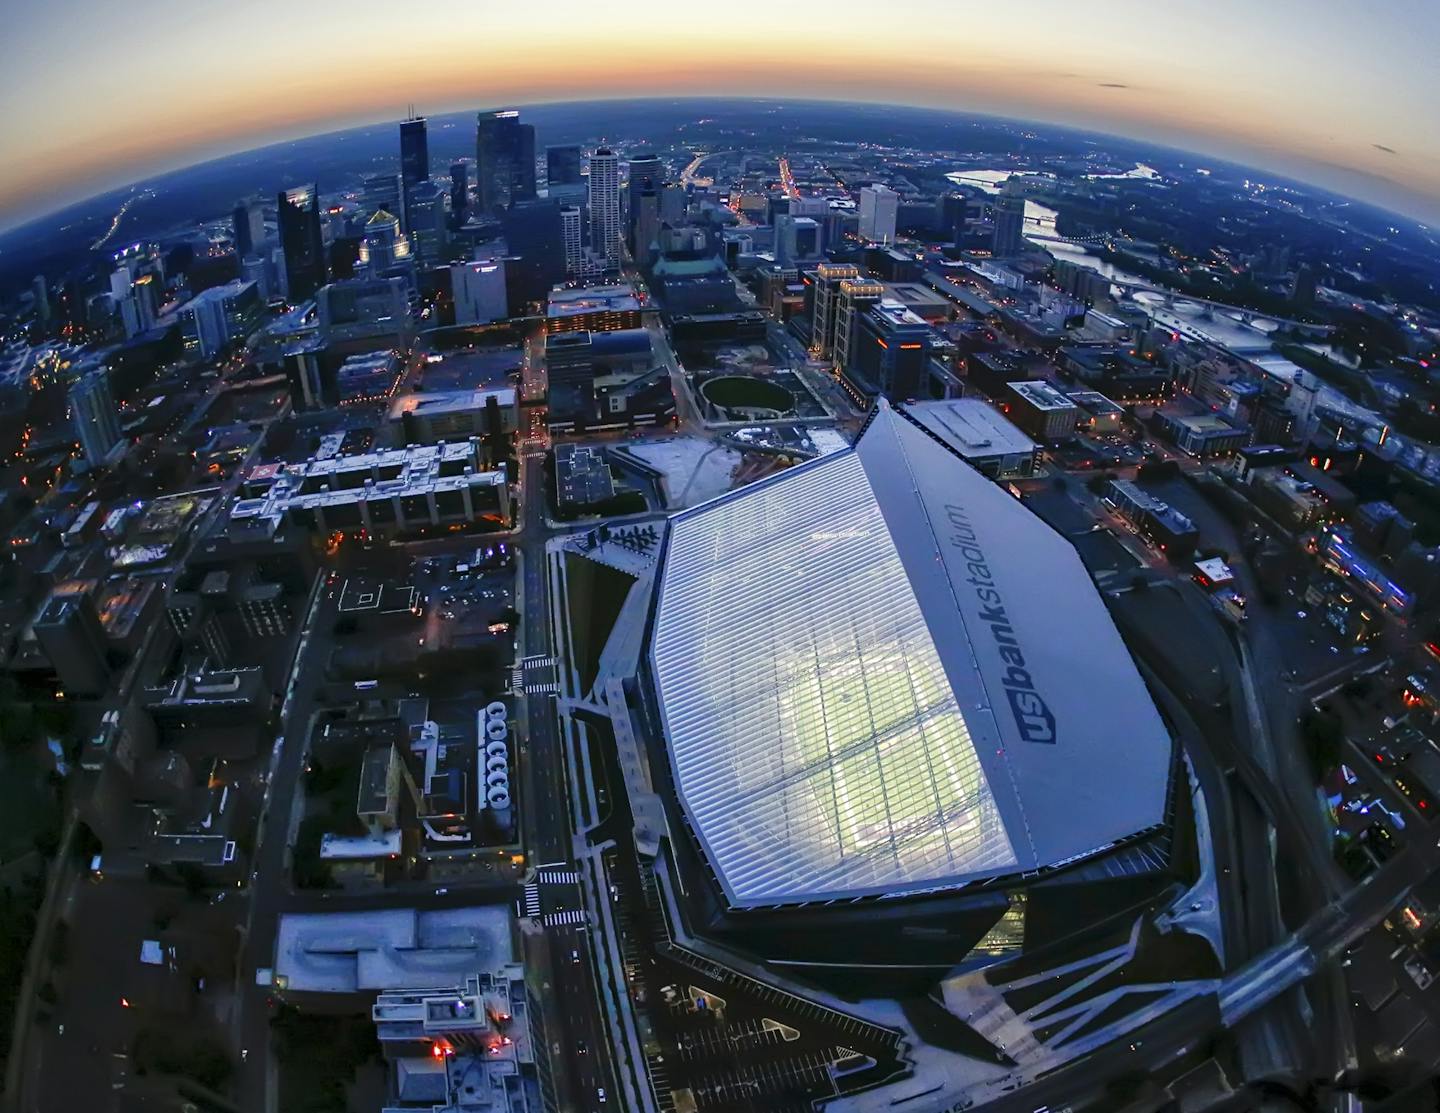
x: 889, y: 725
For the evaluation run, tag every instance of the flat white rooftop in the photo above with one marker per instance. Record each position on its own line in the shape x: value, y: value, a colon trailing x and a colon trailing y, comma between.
x: 973, y: 428
x: 350, y: 952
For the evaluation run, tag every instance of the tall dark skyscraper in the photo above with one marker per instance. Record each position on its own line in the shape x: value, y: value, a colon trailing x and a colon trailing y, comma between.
x: 248, y: 226
x: 534, y: 232
x: 642, y: 203
x: 96, y: 420
x: 301, y: 241
x: 459, y: 191
x: 414, y: 162
x: 504, y: 160
x: 1009, y: 219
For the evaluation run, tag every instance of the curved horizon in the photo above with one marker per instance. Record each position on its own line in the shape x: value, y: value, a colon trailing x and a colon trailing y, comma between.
x: 1317, y: 92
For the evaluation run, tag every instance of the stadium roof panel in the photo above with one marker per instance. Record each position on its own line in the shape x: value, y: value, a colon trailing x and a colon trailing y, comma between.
x: 879, y: 674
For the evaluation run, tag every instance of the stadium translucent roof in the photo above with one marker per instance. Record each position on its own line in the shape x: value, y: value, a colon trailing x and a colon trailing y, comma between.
x: 879, y: 673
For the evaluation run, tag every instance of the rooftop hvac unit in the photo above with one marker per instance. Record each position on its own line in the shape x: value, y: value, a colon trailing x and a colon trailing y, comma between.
x: 498, y: 780
x: 498, y: 798
x: 497, y: 765
x: 497, y: 749
x: 496, y: 730
x: 496, y: 710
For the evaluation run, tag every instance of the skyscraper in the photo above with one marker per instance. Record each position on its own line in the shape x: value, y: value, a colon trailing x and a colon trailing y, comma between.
x: 70, y: 635
x: 673, y: 203
x: 97, y: 422
x: 570, y: 234
x: 428, y: 232
x: 301, y: 241
x: 879, y: 206
x: 248, y: 226
x: 605, y: 205
x: 41, y: 293
x: 478, y: 289
x: 1008, y: 216
x: 504, y: 160
x: 459, y: 190
x: 562, y: 174
x: 646, y: 179
x: 534, y: 231
x: 414, y: 151
x: 414, y: 160
x: 644, y: 223
x: 382, y: 191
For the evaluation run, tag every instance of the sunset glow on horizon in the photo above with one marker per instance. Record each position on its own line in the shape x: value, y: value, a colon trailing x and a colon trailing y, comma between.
x: 97, y: 96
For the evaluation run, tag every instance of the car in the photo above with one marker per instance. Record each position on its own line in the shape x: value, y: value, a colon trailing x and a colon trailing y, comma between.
x: 600, y: 1092
x: 440, y: 892
x: 581, y: 1048
x: 575, y: 957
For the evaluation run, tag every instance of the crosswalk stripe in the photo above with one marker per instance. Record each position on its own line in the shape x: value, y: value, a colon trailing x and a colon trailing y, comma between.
x: 565, y: 878
x: 542, y: 687
x: 560, y: 919
x: 532, y: 900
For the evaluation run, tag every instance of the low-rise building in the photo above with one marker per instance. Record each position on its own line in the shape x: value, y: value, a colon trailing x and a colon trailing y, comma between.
x: 1041, y: 410
x: 1204, y: 436
x: 432, y: 416
x: 400, y: 490
x: 582, y: 477
x: 1159, y: 522
x: 981, y: 434
x: 592, y: 309
x: 1099, y: 415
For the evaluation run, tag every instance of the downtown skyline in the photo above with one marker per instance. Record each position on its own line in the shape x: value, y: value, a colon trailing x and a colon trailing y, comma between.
x: 1318, y: 92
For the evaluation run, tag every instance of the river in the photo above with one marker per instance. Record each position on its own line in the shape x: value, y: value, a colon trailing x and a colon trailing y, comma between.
x: 1189, y: 316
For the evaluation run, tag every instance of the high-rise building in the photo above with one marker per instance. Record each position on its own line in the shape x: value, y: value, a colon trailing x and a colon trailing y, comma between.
x: 535, y: 234
x: 479, y: 291
x: 825, y: 282
x: 855, y: 296
x: 459, y: 190
x: 890, y: 350
x: 428, y: 230
x: 879, y: 207
x: 504, y: 160
x: 605, y: 205
x: 672, y: 204
x: 301, y: 241
x: 97, y: 421
x: 1303, y: 287
x: 414, y: 151
x: 797, y: 238
x: 1008, y: 216
x: 214, y: 317
x: 137, y: 299
x: 383, y: 245
x: 644, y: 225
x: 247, y: 226
x: 70, y: 635
x: 574, y: 245
x: 645, y: 176
x: 382, y: 191
x: 256, y: 269
x: 564, y: 181
x: 41, y: 295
